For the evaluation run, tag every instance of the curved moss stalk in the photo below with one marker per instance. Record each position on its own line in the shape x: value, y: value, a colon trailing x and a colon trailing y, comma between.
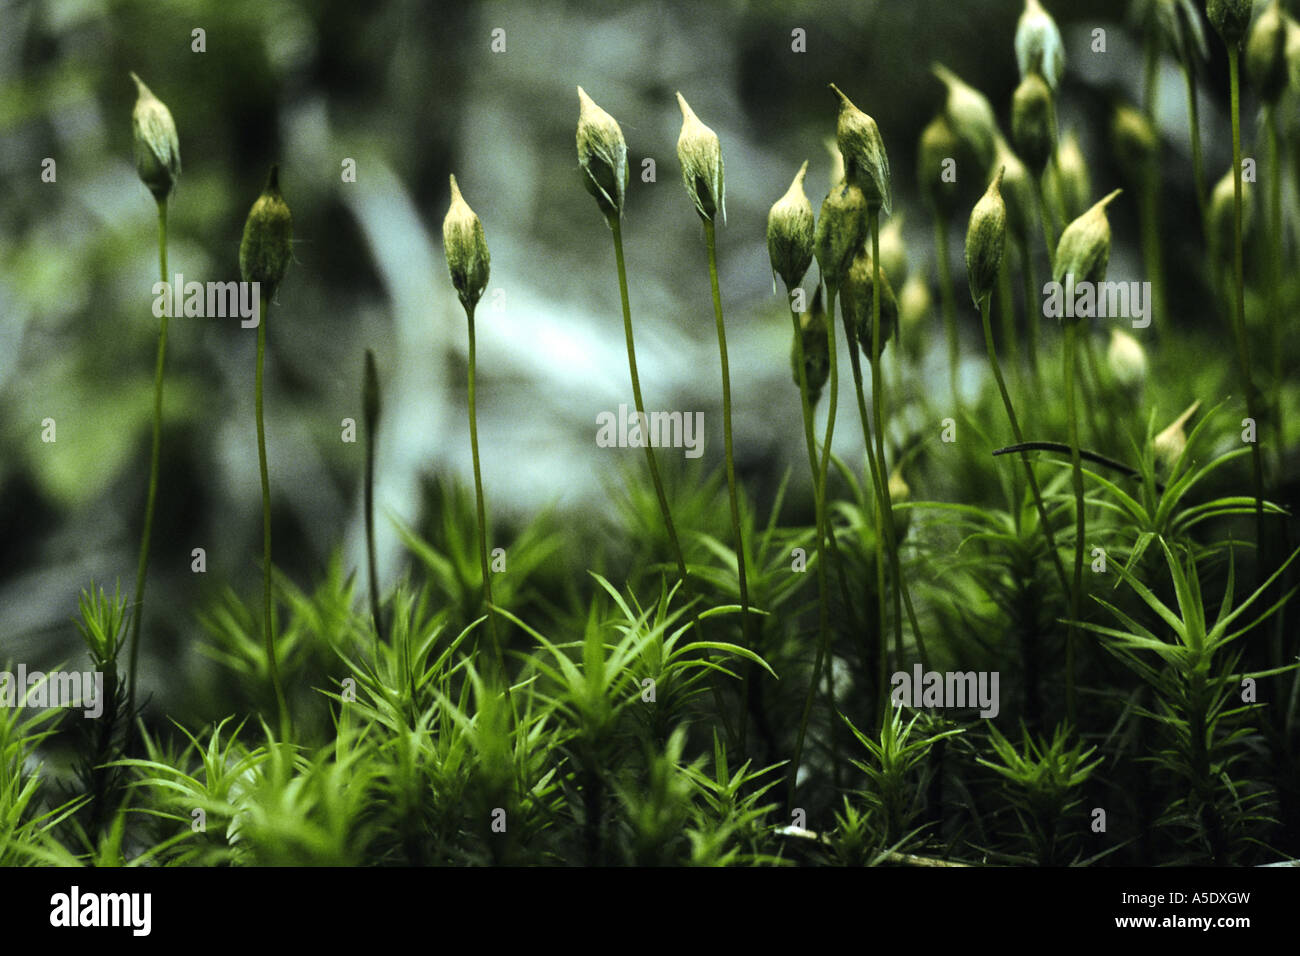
x: 1277, y: 236
x: 819, y: 504
x: 710, y: 237
x: 155, y: 456
x: 881, y: 650
x: 286, y: 722
x: 823, y: 649
x: 616, y: 229
x: 887, y: 506
x: 1071, y: 414
x: 1239, y: 299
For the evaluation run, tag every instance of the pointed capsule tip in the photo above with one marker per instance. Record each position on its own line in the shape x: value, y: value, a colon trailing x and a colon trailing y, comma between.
x: 1109, y: 199
x: 273, y: 179
x: 455, y: 188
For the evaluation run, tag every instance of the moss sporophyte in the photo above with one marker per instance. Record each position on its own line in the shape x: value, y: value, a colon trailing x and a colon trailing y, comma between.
x: 461, y: 709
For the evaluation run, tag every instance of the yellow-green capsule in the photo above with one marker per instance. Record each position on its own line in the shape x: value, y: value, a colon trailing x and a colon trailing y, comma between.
x: 1033, y: 121
x: 1169, y: 444
x: 602, y: 156
x: 986, y: 237
x: 1127, y: 360
x: 857, y: 295
x: 157, y: 147
x: 1017, y: 189
x: 1222, y: 215
x: 1266, y: 63
x: 466, y: 249
x: 1135, y: 141
x: 700, y: 154
x: 866, y: 164
x: 816, y: 349
x: 790, y: 230
x: 841, y: 231
x: 267, y: 245
x: 1083, y: 251
x: 970, y: 115
x: 1231, y: 18
x: 936, y: 170
x: 1038, y: 44
x: 1073, y: 183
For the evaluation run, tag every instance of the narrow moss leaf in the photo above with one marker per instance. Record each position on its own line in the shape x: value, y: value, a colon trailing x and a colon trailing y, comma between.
x: 841, y: 229
x: 1039, y: 49
x: 866, y: 164
x: 602, y: 156
x: 157, y: 147
x: 466, y: 249
x: 790, y: 228
x: 267, y: 245
x: 1083, y: 251
x: 986, y: 237
x: 700, y: 154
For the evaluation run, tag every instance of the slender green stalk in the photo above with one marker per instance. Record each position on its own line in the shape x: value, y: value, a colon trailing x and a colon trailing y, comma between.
x: 616, y: 229
x: 1198, y: 164
x: 1277, y: 321
x: 949, y: 299
x: 1024, y: 455
x: 1071, y: 414
x: 1152, y: 249
x: 819, y: 505
x: 873, y: 466
x: 369, y: 480
x: 1239, y: 300
x: 887, y: 507
x: 1032, y: 316
x: 1277, y: 236
x: 155, y: 455
x: 286, y: 721
x: 480, y: 509
x: 1007, y: 306
x: 823, y: 651
x: 1049, y: 231
x: 710, y: 237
